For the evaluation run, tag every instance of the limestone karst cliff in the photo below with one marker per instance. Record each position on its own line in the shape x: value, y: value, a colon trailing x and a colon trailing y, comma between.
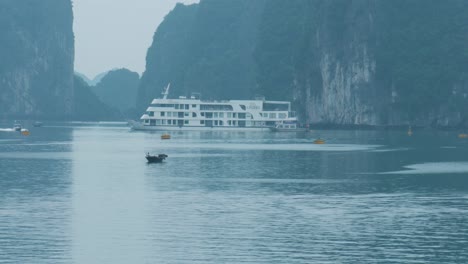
x: 36, y: 58
x: 345, y: 62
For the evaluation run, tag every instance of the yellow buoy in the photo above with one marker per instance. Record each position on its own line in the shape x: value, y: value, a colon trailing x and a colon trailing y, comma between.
x: 166, y: 136
x: 319, y: 141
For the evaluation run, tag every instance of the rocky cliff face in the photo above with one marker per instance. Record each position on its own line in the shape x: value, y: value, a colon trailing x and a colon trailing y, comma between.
x: 344, y: 62
x: 36, y: 58
x: 368, y: 62
x: 205, y: 48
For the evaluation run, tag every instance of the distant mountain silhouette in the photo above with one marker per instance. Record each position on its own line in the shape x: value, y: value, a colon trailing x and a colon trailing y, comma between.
x: 118, y: 89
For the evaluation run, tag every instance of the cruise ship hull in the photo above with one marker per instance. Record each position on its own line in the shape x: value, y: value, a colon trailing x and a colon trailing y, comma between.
x: 140, y: 127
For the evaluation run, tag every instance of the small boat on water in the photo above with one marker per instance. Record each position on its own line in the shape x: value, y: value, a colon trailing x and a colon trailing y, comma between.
x: 410, y: 131
x: 25, y: 132
x: 165, y: 136
x: 17, y: 127
x: 463, y: 135
x: 288, y: 127
x: 37, y: 124
x: 319, y: 141
x: 156, y: 158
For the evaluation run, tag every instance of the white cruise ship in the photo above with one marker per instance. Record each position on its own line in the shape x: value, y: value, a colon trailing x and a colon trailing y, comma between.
x: 196, y: 114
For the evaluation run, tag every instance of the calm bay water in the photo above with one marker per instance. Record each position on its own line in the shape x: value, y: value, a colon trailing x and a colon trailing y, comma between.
x: 83, y: 193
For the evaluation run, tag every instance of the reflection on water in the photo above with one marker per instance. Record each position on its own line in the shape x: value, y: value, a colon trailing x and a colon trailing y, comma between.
x: 34, y: 199
x: 82, y: 193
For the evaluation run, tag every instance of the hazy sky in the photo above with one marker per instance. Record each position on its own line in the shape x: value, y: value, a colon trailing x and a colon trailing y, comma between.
x: 116, y: 33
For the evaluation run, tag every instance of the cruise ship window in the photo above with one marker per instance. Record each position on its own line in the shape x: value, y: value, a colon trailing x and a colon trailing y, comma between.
x: 153, y: 122
x: 221, y: 123
x: 163, y: 121
x: 229, y: 115
x: 187, y: 114
x: 169, y: 122
x: 282, y: 115
x: 163, y: 113
x: 234, y: 115
x: 158, y: 121
x: 194, y: 114
x: 229, y: 122
x: 215, y: 115
x: 194, y: 106
x: 151, y: 113
x: 202, y: 113
x: 202, y: 122
x: 186, y: 106
x: 216, y: 122
x: 186, y: 122
x: 176, y: 106
x: 243, y: 107
x: 272, y: 115
x: 169, y: 114
x: 221, y: 115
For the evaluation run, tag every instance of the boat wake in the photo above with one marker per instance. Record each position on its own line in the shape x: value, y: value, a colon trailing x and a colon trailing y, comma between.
x: 7, y: 130
x: 433, y: 168
x: 278, y: 147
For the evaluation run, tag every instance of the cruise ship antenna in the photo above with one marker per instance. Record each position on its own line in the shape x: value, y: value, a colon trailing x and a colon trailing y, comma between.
x: 165, y: 93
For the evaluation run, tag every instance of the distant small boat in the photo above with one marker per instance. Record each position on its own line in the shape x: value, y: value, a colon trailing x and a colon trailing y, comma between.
x: 17, y: 127
x: 155, y: 159
x: 37, y: 124
x: 288, y: 127
x: 24, y: 132
x: 410, y: 132
x: 463, y: 135
x: 319, y: 141
x: 165, y: 136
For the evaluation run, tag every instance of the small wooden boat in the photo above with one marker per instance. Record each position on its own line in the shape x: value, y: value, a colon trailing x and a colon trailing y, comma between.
x: 319, y: 141
x: 462, y: 135
x: 165, y: 136
x: 155, y: 159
